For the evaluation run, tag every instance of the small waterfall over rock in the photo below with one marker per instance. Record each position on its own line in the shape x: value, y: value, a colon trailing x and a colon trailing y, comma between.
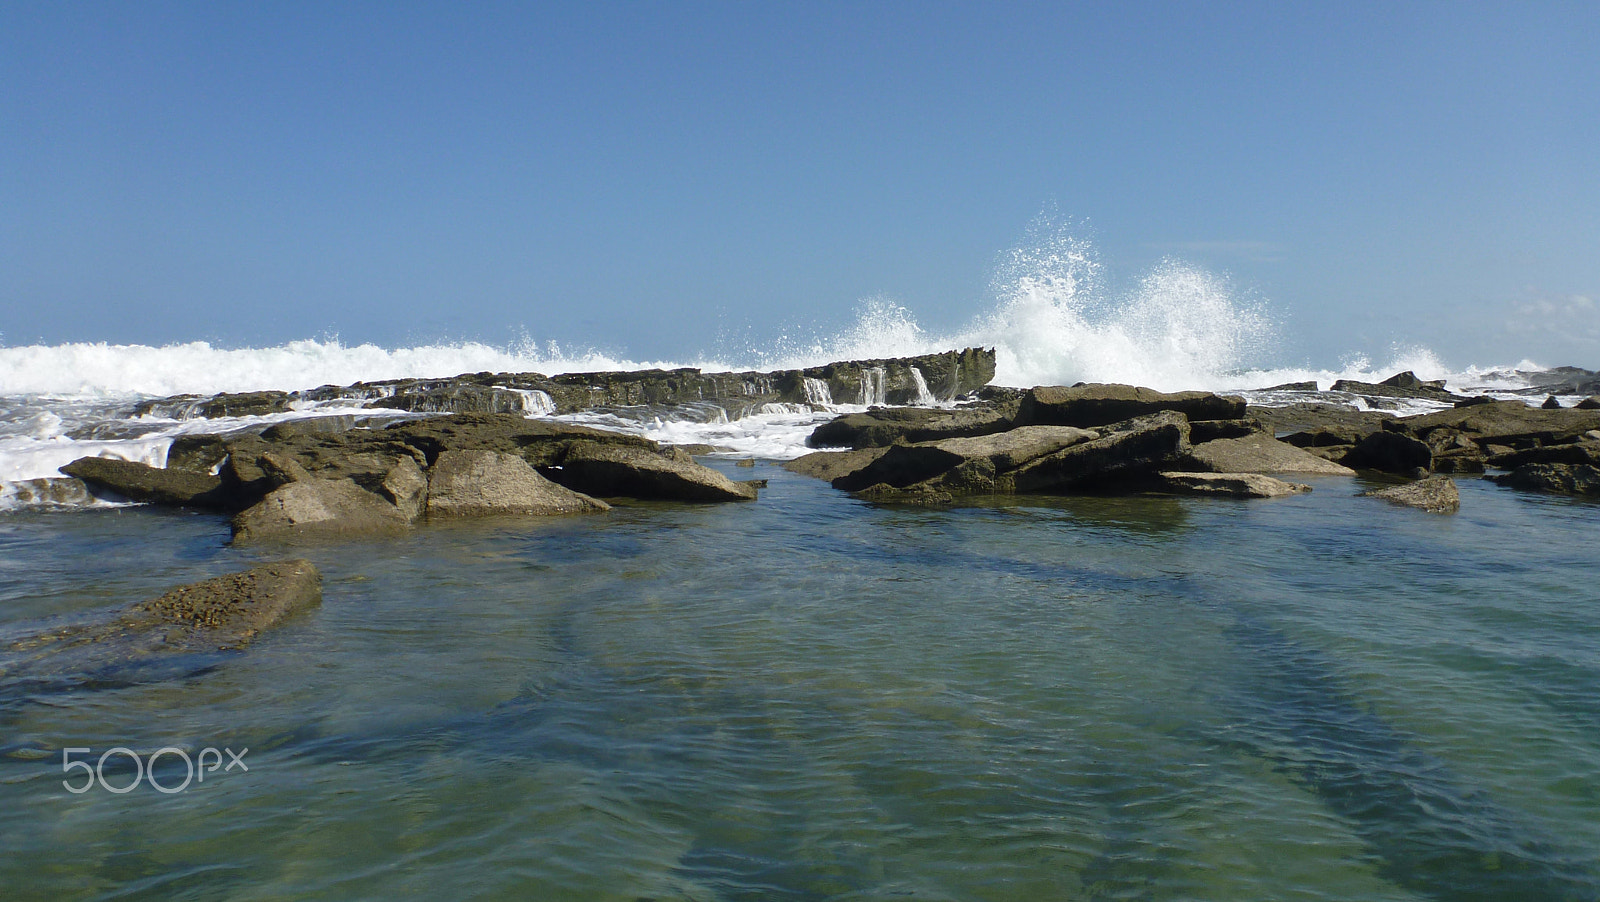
x: 874, y: 386
x: 924, y: 397
x: 817, y: 392
x: 534, y: 402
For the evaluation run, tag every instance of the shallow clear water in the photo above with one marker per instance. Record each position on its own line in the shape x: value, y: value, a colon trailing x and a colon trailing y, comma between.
x: 1320, y: 697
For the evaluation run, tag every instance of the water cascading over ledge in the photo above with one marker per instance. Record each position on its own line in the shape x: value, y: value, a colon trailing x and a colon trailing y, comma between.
x: 929, y: 378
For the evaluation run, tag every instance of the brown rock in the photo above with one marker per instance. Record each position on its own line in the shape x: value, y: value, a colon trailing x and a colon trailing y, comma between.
x: 491, y: 483
x: 231, y: 610
x: 1260, y: 454
x: 611, y: 470
x: 1103, y: 404
x: 318, y: 508
x: 1561, y: 479
x: 140, y: 482
x: 1436, y: 494
x: 1137, y: 446
x: 1230, y: 485
x: 987, y: 455
x: 830, y: 465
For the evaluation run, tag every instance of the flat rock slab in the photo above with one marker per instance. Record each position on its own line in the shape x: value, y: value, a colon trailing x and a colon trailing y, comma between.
x: 144, y: 483
x: 1139, y: 445
x: 231, y: 610
x: 830, y: 465
x: 318, y: 508
x: 1230, y: 485
x: 903, y: 465
x: 608, y: 471
x: 222, y: 613
x: 1260, y: 454
x: 1436, y: 495
x: 882, y: 427
x: 490, y: 483
x: 1104, y: 404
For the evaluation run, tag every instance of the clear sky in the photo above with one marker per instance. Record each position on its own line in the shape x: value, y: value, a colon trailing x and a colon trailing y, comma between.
x: 647, y: 175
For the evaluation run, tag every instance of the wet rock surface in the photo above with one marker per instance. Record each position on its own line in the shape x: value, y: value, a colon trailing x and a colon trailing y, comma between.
x: 1229, y: 485
x: 222, y: 613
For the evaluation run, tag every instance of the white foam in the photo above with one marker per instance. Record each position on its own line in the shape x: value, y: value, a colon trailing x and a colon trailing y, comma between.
x: 81, y: 370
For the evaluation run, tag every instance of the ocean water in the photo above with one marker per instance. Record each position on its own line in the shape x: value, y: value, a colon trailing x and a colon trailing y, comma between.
x: 808, y: 697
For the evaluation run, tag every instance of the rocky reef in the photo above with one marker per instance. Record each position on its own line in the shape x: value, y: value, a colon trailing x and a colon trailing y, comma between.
x: 902, y: 380
x: 289, y: 483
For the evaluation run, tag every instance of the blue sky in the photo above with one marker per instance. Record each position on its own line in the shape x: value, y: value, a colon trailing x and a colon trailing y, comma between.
x: 649, y: 176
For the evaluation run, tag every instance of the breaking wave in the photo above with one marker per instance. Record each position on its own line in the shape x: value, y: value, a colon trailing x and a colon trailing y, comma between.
x: 1050, y: 317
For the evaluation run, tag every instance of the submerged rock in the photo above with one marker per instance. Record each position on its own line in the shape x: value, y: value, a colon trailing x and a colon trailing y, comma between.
x: 218, y: 614
x: 1229, y: 485
x: 230, y: 611
x: 1435, y: 494
x: 925, y: 496
x: 490, y: 483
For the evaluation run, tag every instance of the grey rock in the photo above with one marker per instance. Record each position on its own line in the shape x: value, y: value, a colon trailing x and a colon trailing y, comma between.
x: 1229, y: 485
x: 1103, y: 404
x: 611, y: 470
x: 1259, y: 454
x: 490, y: 483
x: 1436, y: 494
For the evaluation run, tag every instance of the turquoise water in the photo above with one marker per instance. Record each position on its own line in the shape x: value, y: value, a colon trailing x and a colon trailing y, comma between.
x: 1320, y: 697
